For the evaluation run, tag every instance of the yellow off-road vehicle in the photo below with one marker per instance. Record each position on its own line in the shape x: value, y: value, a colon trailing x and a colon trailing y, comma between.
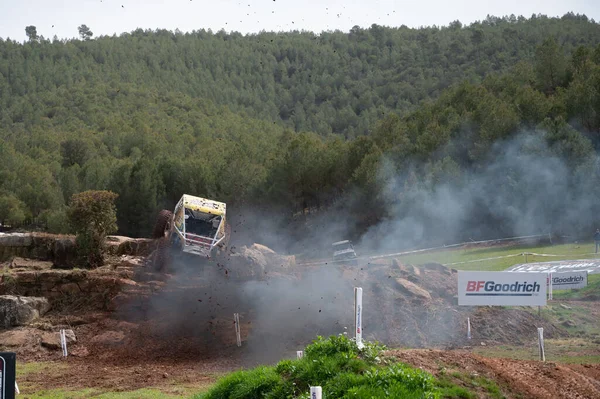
x: 198, y: 226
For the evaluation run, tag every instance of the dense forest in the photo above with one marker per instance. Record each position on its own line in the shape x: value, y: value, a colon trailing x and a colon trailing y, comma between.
x: 383, y: 125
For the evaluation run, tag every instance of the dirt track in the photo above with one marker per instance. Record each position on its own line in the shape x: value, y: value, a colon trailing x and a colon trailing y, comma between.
x: 529, y: 379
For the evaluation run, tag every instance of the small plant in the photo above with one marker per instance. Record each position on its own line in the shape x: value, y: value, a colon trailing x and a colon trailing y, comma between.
x: 92, y: 215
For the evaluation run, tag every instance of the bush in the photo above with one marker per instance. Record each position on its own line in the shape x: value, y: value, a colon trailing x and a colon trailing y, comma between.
x: 92, y: 216
x: 338, y: 366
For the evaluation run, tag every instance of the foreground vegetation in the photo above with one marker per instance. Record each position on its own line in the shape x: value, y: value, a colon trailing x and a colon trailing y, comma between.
x: 339, y: 367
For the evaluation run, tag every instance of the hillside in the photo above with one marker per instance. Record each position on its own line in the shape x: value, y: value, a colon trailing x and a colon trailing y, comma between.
x: 331, y: 82
x: 277, y: 122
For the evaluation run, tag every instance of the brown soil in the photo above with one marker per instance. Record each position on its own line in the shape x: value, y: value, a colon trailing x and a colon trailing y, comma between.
x: 528, y: 379
x: 138, y: 328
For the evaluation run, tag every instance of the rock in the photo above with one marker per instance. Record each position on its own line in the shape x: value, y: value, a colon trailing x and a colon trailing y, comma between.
x: 21, y: 263
x: 21, y: 310
x: 64, y: 253
x: 51, y: 340
x: 14, y: 338
x: 562, y: 305
x: 109, y: 338
x: 412, y: 289
x: 70, y: 288
x: 15, y: 240
x: 79, y: 351
x: 483, y: 344
x: 568, y: 323
x: 263, y: 249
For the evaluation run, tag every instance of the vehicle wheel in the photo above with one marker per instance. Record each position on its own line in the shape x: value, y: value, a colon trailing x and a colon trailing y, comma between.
x: 163, y: 224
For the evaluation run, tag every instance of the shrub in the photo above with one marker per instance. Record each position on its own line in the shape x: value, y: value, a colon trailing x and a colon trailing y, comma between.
x: 92, y: 216
x: 338, y: 366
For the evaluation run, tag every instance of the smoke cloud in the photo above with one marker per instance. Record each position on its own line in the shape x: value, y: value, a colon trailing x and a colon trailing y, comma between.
x: 523, y: 189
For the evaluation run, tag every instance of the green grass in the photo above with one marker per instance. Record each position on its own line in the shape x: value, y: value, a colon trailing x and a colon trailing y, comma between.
x: 478, y: 256
x: 23, y: 369
x: 53, y: 370
x: 471, y: 384
x: 572, y: 350
x: 591, y: 291
x: 576, y: 319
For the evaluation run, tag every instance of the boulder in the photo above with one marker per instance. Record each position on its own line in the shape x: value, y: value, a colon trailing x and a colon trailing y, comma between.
x: 14, y: 338
x: 51, y: 340
x: 413, y: 290
x: 257, y: 260
x: 20, y: 310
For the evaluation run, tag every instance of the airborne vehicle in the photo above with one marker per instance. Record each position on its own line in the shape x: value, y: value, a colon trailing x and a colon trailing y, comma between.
x: 344, y: 251
x: 198, y: 226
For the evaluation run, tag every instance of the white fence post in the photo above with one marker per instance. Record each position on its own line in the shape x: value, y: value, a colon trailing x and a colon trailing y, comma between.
x: 63, y: 342
x: 238, y: 336
x: 358, y: 310
x: 541, y: 344
x: 316, y: 393
x: 468, y: 328
x: 550, y: 287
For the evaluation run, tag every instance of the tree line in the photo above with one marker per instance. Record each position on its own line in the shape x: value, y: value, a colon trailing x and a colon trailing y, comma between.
x: 292, y: 121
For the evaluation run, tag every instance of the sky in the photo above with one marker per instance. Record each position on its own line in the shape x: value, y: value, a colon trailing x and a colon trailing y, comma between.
x: 107, y: 17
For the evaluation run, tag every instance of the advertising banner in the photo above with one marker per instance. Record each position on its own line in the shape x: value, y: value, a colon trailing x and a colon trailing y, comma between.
x: 501, y: 289
x: 569, y: 280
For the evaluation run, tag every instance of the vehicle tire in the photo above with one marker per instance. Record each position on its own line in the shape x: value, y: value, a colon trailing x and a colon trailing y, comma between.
x: 163, y: 224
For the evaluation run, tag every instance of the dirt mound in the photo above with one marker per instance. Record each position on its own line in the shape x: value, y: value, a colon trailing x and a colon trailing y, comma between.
x: 417, y: 306
x: 256, y: 262
x: 516, y: 378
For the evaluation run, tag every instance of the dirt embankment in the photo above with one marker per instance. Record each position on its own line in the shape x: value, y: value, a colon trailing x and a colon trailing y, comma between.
x: 126, y: 317
x: 515, y: 378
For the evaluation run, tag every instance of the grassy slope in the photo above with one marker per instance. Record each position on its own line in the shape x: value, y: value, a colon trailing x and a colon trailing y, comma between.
x: 571, y: 251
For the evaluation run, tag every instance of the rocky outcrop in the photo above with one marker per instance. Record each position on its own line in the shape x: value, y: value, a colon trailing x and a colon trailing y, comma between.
x: 46, y: 247
x: 92, y: 287
x: 20, y: 311
x: 256, y: 261
x: 60, y: 250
